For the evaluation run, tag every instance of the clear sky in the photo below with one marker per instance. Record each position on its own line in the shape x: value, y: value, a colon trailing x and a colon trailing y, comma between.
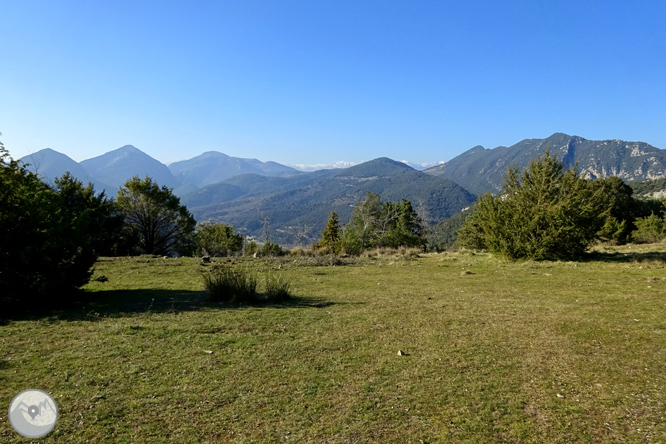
x: 320, y: 81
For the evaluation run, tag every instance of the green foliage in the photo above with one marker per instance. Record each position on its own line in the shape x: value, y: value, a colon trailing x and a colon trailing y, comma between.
x: 614, y: 230
x: 644, y: 207
x: 650, y: 229
x: 471, y: 234
x: 46, y: 249
x: 104, y: 221
x: 444, y: 234
x: 543, y: 213
x: 400, y: 226
x: 277, y: 287
x: 648, y: 187
x: 331, y: 237
x: 271, y: 249
x: 252, y: 248
x: 239, y: 285
x: 218, y: 239
x: 155, y: 218
x: 374, y: 224
x: 619, y: 220
x: 363, y: 226
x: 228, y: 284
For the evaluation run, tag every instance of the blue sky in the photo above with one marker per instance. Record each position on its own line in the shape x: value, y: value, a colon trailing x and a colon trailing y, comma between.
x: 317, y: 82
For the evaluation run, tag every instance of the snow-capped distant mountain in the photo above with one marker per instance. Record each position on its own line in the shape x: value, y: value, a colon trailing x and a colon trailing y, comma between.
x: 343, y: 164
x: 323, y: 166
x: 422, y: 165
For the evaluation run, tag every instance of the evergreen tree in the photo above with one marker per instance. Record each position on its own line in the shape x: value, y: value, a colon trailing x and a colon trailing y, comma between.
x: 403, y: 226
x: 104, y: 221
x: 544, y: 212
x: 46, y: 250
x: 331, y: 236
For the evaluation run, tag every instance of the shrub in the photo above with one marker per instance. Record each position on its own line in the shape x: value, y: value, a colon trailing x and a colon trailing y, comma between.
x: 270, y: 249
x: 227, y: 284
x: 46, y: 245
x: 544, y: 212
x: 217, y: 239
x: 251, y: 248
x: 300, y: 251
x: 649, y: 229
x: 277, y: 287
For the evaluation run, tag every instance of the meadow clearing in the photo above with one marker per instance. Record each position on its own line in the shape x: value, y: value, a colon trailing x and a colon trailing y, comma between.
x: 492, y: 351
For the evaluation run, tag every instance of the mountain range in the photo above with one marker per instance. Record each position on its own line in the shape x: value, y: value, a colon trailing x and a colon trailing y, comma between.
x: 292, y: 206
x: 295, y: 209
x: 112, y: 169
x: 479, y: 169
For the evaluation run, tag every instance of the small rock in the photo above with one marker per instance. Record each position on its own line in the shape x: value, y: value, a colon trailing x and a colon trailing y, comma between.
x: 401, y: 353
x: 560, y: 396
x: 210, y: 352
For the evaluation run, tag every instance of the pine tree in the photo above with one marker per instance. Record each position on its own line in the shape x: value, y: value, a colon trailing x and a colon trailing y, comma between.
x: 331, y: 236
x: 544, y: 212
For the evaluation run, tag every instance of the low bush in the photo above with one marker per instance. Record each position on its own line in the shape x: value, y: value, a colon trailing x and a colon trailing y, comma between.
x: 227, y: 284
x: 239, y: 285
x: 300, y: 251
x: 649, y: 229
x: 277, y: 288
x: 402, y: 252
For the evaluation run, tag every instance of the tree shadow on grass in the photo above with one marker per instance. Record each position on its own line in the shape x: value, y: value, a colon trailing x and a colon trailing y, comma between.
x: 617, y: 257
x: 88, y: 306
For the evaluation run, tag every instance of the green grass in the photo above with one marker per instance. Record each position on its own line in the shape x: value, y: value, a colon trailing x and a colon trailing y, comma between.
x: 489, y: 347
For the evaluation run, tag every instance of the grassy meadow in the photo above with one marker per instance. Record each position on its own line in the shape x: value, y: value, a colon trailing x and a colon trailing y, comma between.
x: 526, y: 352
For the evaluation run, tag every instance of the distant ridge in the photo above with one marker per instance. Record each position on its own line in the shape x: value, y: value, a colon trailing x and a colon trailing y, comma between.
x: 302, y: 203
x: 212, y: 167
x: 479, y: 170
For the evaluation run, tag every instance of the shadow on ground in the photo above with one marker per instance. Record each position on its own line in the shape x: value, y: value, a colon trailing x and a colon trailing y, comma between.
x: 623, y: 257
x: 119, y: 303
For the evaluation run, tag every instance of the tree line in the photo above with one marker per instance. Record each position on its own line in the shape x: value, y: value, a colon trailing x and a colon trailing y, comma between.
x: 374, y: 224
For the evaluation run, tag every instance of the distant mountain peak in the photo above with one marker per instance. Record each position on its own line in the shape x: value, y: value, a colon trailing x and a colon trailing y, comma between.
x: 380, y: 167
x: 117, y: 166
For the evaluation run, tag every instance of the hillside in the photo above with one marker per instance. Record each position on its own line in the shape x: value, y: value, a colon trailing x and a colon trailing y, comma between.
x: 651, y: 188
x: 479, y: 169
x: 303, y: 203
x: 212, y: 167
